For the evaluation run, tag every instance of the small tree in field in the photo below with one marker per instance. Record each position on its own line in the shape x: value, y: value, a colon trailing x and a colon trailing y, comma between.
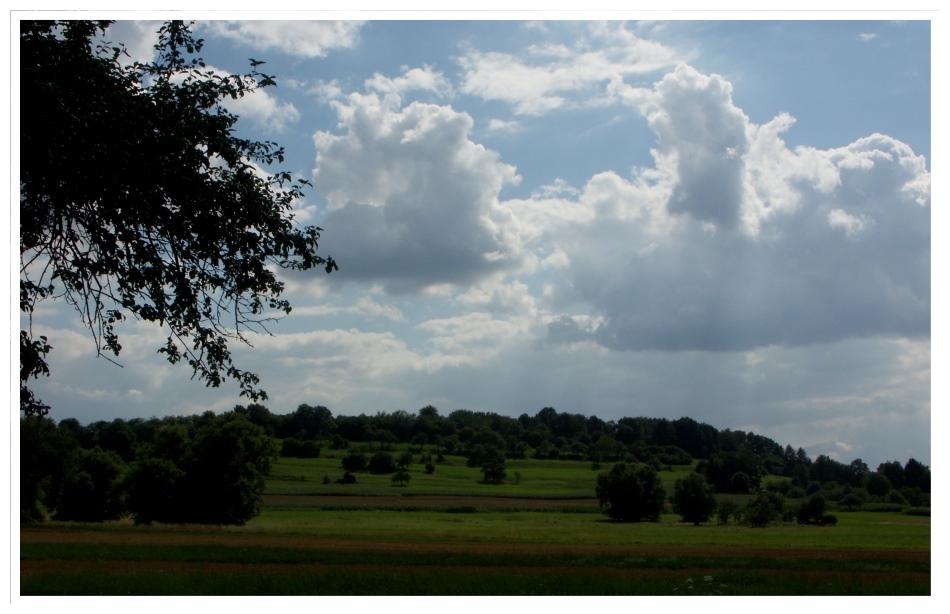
x: 354, y: 461
x: 812, y: 510
x: 401, y: 477
x: 763, y: 509
x: 727, y: 509
x: 693, y: 499
x: 493, y: 471
x: 630, y: 493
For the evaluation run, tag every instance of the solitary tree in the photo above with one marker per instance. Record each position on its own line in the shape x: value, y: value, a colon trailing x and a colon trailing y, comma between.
x: 693, y: 498
x: 630, y: 493
x: 138, y: 200
x: 493, y: 467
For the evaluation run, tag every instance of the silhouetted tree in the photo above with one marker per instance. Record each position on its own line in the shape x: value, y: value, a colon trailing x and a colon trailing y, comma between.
x: 225, y: 469
x: 153, y: 491
x: 493, y: 466
x: 894, y: 472
x: 727, y: 509
x: 764, y: 508
x: 877, y: 485
x: 382, y: 462
x: 812, y: 510
x: 693, y: 498
x: 354, y: 461
x: 47, y: 455
x: 917, y: 475
x: 630, y: 493
x: 137, y: 199
x: 91, y: 491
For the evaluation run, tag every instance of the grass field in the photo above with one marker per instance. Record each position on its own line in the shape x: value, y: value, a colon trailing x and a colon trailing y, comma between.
x: 447, y: 534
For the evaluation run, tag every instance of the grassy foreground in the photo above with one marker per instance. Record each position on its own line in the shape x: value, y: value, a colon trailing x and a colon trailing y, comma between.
x: 446, y: 534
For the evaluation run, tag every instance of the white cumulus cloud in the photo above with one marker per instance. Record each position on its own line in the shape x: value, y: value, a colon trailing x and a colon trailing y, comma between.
x: 309, y: 39
x: 414, y: 200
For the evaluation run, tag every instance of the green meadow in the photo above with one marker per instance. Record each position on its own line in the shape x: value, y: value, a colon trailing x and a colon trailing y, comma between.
x: 445, y: 533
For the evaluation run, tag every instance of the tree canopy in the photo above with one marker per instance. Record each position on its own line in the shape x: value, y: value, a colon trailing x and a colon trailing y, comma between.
x: 138, y: 200
x: 693, y: 498
x: 631, y: 492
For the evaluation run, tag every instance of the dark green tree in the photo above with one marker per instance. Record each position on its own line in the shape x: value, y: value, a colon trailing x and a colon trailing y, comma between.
x: 47, y: 456
x: 693, y: 498
x: 138, y: 200
x: 92, y: 491
x: 493, y: 467
x: 401, y: 477
x: 382, y: 462
x: 153, y: 491
x: 877, y: 485
x: 894, y: 472
x: 354, y: 461
x: 631, y: 492
x: 727, y: 509
x: 917, y: 475
x: 225, y: 469
x: 812, y: 510
x: 764, y: 508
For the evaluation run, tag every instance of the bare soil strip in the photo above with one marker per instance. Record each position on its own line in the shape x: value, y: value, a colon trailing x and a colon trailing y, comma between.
x: 427, y: 501
x: 158, y: 536
x: 28, y: 568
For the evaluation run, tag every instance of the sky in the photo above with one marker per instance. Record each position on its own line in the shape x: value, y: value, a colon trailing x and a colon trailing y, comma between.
x: 726, y: 220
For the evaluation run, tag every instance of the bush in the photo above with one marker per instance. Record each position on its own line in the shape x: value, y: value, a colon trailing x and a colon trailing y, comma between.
x: 348, y: 478
x: 828, y: 520
x: 763, y: 509
x: 295, y: 448
x: 812, y: 510
x: 401, y: 477
x: 727, y: 509
x: 382, y: 462
x: 630, y: 493
x: 796, y: 492
x: 354, y: 461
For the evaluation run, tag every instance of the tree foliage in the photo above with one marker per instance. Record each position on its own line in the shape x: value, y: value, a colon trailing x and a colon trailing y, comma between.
x: 631, y: 492
x: 693, y: 498
x: 764, y: 508
x: 203, y: 469
x: 138, y: 200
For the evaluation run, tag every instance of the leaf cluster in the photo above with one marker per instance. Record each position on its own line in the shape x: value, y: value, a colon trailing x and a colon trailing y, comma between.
x: 138, y: 200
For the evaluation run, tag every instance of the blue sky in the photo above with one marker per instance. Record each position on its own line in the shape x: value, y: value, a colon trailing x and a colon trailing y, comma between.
x: 727, y: 220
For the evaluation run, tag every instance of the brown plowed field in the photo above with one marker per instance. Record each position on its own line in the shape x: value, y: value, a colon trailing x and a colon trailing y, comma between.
x: 227, y: 538
x: 427, y: 501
